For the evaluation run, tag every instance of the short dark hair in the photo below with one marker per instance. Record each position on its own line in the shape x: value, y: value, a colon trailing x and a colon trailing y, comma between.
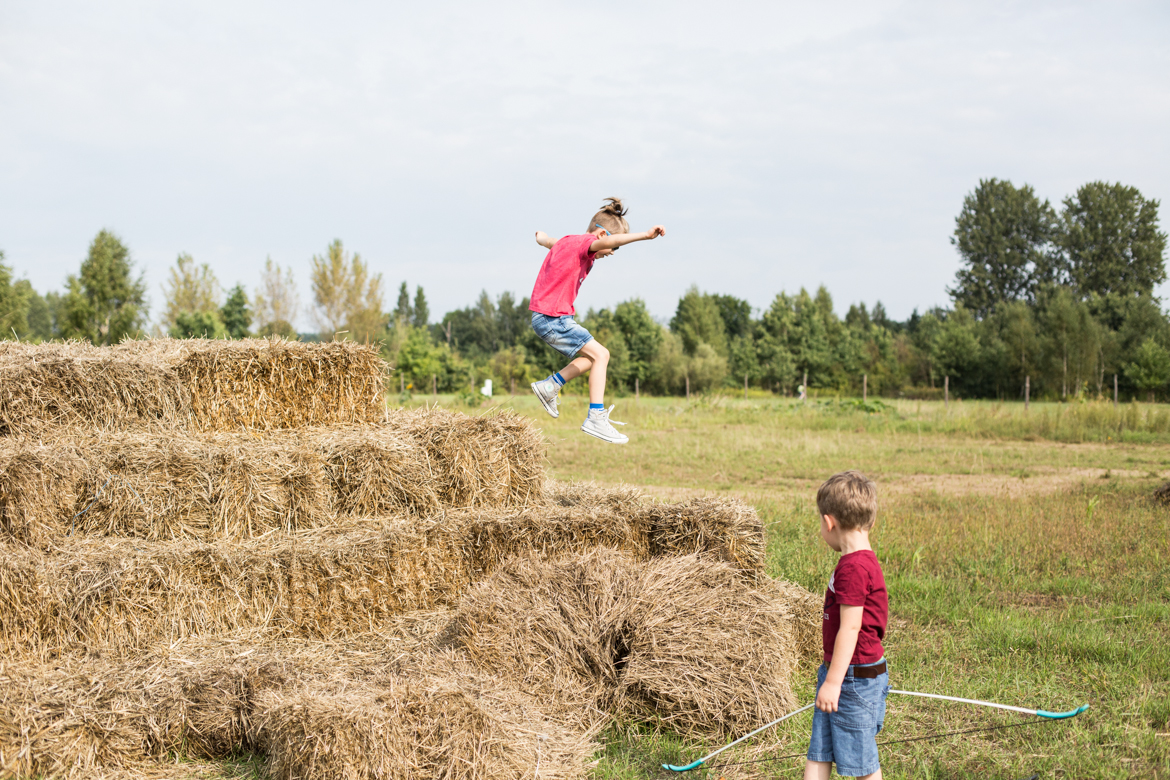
x: 850, y: 498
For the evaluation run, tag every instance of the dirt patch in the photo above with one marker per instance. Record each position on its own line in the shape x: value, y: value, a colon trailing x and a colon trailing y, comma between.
x: 1037, y: 480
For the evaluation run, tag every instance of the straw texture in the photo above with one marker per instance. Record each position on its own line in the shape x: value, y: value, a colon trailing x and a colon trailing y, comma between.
x: 235, y: 486
x: 122, y: 594
x: 686, y: 641
x: 201, y: 384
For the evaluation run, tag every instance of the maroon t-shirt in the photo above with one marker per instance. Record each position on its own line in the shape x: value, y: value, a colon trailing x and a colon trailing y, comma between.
x: 857, y: 582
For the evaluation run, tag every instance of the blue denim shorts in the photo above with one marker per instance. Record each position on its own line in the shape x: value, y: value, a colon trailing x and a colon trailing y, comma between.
x: 561, y: 333
x: 848, y: 737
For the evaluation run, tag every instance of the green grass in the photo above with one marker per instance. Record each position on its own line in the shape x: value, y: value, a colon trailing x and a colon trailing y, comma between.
x: 1025, y: 560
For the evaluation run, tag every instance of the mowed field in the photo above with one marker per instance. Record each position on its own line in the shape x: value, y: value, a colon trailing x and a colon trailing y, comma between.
x: 1026, y: 561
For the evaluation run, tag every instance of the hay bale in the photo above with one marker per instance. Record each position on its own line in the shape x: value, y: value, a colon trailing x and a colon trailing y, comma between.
x: 124, y: 593
x: 202, y: 384
x: 358, y: 709
x: 444, y: 721
x: 554, y: 626
x: 808, y: 612
x: 69, y: 721
x: 493, y: 459
x: 708, y: 653
x: 121, y: 594
x: 272, y: 383
x: 725, y: 528
x: 685, y: 641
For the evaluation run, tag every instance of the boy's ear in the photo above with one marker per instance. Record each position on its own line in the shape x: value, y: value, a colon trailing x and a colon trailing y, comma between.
x: 830, y: 521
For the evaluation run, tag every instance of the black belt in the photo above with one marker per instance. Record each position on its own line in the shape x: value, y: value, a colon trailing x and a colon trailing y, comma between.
x: 866, y: 672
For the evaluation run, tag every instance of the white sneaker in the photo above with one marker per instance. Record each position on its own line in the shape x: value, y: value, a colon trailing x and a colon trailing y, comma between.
x: 598, y: 424
x: 546, y: 390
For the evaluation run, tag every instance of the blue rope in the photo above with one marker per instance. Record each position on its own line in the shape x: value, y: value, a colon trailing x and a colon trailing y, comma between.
x: 73, y: 520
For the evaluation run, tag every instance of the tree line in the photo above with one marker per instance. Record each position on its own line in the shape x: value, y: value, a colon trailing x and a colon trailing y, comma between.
x: 1060, y: 300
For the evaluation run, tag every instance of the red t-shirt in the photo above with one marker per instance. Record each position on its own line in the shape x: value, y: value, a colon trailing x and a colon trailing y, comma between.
x: 564, y: 269
x: 857, y: 582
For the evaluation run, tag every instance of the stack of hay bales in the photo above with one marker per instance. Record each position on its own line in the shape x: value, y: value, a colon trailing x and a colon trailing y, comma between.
x: 215, y: 546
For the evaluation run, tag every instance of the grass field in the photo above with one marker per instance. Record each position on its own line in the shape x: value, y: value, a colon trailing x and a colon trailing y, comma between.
x: 1025, y: 560
x: 1026, y: 563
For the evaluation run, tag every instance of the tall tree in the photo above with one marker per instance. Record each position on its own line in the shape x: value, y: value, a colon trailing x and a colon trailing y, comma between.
x: 14, y: 305
x: 697, y: 320
x: 642, y: 334
x: 422, y: 312
x: 347, y: 298
x: 235, y: 314
x: 1113, y: 246
x: 403, y: 311
x: 276, y: 302
x: 189, y: 288
x: 104, y: 303
x: 1005, y: 237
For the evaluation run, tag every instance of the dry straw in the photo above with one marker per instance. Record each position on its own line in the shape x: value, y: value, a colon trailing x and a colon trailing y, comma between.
x: 685, y: 641
x: 154, y: 485
x: 120, y: 593
x: 202, y: 384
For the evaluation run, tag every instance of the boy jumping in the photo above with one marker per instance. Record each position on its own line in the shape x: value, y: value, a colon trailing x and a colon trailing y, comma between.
x: 565, y: 267
x: 852, y: 683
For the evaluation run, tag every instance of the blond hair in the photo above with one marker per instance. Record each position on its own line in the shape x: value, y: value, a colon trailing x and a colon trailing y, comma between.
x: 850, y: 498
x: 612, y: 217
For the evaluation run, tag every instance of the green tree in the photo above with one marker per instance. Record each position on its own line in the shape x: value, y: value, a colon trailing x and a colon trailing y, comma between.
x: 669, y: 367
x: 403, y: 311
x: 955, y: 348
x: 41, y: 325
x: 104, y: 303
x: 1112, y: 244
x: 642, y: 335
x: 1005, y: 238
x: 276, y: 302
x: 736, y: 314
x: 189, y: 288
x: 348, y: 299
x: 14, y: 305
x: 1017, y: 330
x: 235, y: 314
x: 1150, y: 370
x: 422, y: 312
x: 697, y: 320
x: 198, y: 325
x: 1071, y: 339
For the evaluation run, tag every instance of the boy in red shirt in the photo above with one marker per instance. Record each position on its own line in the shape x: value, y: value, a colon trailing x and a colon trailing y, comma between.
x: 569, y: 261
x: 852, y: 683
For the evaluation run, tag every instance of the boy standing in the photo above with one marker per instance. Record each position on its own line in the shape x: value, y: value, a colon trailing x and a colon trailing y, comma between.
x: 852, y: 683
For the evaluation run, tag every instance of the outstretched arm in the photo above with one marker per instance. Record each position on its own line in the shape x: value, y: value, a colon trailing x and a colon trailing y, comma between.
x: 621, y: 239
x: 544, y: 239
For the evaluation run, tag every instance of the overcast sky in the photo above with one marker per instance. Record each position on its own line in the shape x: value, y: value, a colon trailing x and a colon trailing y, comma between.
x: 782, y: 145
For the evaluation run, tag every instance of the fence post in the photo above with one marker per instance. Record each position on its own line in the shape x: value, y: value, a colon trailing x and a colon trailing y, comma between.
x: 745, y: 387
x: 435, y: 388
x: 513, y: 387
x: 688, y: 378
x: 864, y: 388
x: 804, y: 384
x: 402, y: 381
x: 947, y: 391
x: 1115, y: 389
x: 1027, y: 391
x: 637, y: 395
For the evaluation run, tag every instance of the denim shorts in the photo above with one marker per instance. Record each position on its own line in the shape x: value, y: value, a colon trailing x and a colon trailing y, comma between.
x: 561, y: 333
x: 848, y: 737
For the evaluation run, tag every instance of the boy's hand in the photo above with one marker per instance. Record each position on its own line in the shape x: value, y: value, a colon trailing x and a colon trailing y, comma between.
x: 827, y: 696
x: 655, y: 232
